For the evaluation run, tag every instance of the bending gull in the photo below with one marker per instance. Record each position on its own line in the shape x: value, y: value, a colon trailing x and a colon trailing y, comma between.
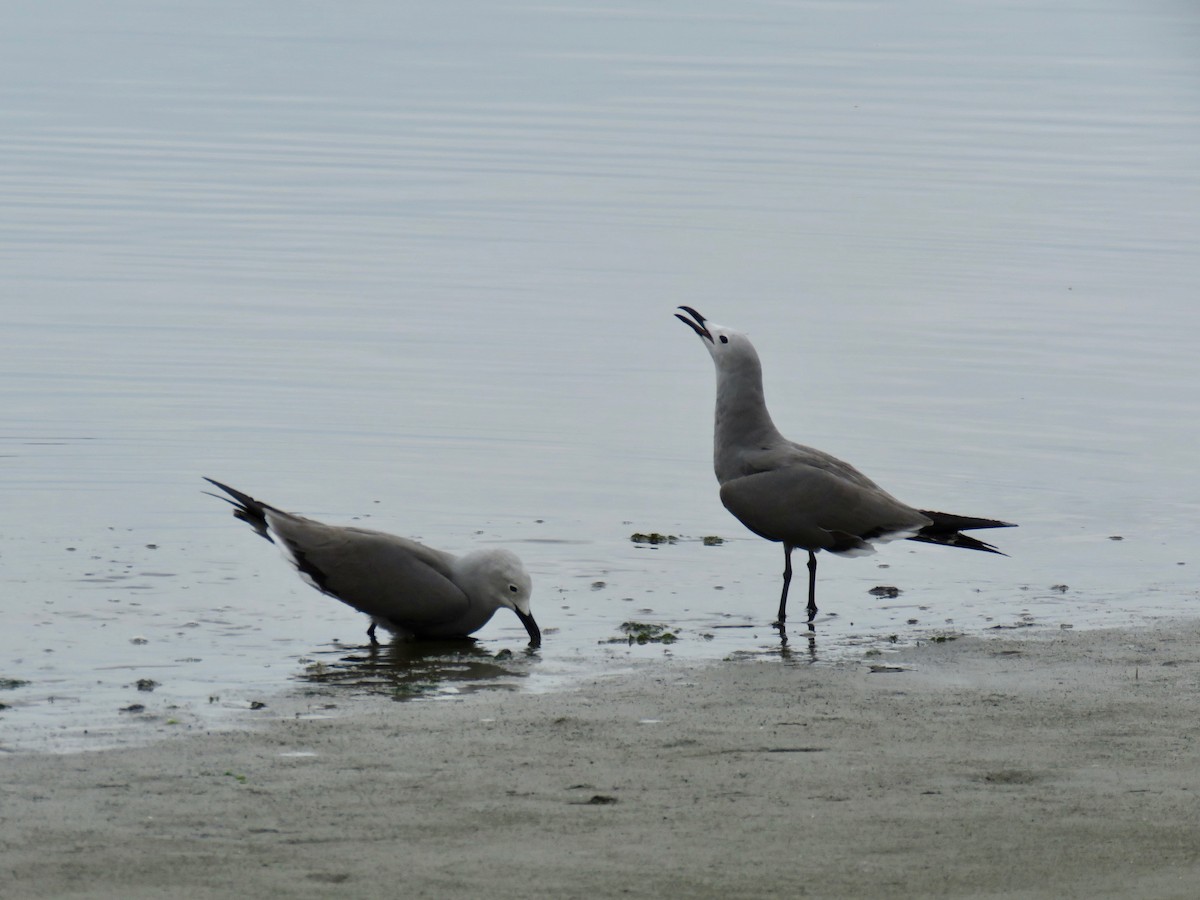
x: 799, y: 495
x: 406, y: 587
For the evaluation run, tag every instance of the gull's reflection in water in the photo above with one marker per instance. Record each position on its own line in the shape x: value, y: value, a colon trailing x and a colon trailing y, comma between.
x: 788, y: 653
x: 795, y: 648
x: 406, y: 669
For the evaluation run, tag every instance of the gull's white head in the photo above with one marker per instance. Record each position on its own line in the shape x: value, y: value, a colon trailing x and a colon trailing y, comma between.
x: 503, y: 581
x: 731, y: 350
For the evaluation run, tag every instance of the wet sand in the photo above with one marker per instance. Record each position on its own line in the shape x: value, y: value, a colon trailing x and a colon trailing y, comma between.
x: 1063, y: 765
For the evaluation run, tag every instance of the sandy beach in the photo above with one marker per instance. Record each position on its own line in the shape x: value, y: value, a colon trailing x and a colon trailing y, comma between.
x: 1062, y: 765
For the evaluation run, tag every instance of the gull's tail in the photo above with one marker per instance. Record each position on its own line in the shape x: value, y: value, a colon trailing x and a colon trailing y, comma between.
x: 252, y: 512
x: 947, y: 530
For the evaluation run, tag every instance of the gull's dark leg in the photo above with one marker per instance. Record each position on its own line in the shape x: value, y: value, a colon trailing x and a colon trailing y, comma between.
x: 787, y: 580
x: 812, y: 585
x: 371, y: 635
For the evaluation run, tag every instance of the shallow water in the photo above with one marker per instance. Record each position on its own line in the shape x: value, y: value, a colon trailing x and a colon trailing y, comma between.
x: 416, y: 267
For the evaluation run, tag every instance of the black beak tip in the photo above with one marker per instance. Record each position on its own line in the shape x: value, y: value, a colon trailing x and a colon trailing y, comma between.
x: 531, y: 627
x: 698, y: 325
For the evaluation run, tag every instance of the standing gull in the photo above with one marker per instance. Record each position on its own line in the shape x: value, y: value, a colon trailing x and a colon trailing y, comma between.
x: 798, y: 495
x: 406, y: 587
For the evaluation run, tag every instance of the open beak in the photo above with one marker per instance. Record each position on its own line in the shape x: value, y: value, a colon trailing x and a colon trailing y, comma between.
x: 535, y: 633
x: 697, y: 325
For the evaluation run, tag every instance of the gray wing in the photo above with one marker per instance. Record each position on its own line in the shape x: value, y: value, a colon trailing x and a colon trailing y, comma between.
x: 815, y: 508
x: 788, y: 454
x: 379, y: 574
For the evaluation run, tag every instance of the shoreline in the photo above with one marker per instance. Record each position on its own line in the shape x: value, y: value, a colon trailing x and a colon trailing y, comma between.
x: 1016, y: 766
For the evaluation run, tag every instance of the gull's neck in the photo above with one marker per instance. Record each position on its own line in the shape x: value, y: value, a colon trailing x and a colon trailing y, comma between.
x: 742, y: 420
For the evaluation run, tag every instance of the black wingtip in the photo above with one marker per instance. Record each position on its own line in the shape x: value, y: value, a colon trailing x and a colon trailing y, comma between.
x: 951, y: 522
x: 947, y: 529
x: 956, y: 539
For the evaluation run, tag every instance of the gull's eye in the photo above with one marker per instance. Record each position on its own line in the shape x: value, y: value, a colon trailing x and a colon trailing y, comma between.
x: 724, y: 340
x: 513, y: 588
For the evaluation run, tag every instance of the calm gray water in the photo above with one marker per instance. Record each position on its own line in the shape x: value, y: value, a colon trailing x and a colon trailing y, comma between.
x: 414, y: 265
